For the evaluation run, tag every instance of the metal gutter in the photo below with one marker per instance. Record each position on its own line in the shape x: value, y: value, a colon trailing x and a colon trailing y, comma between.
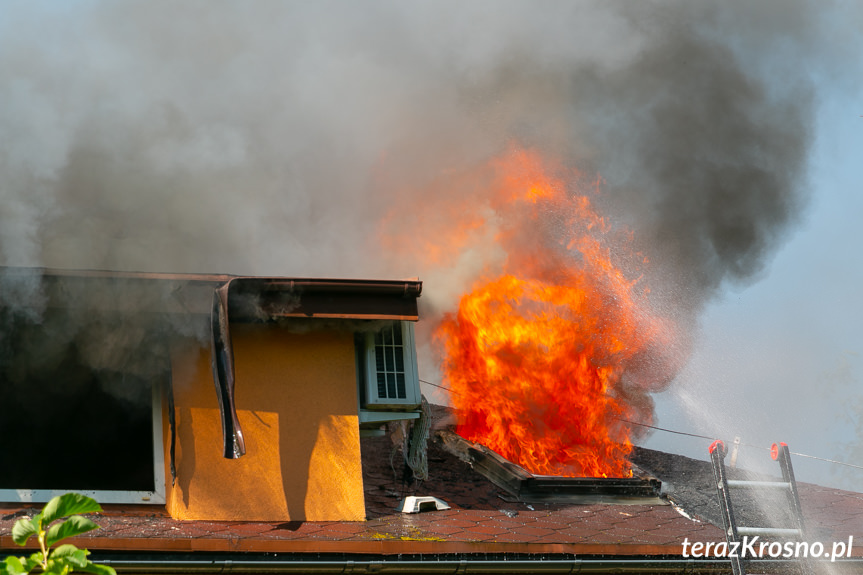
x: 255, y: 297
x: 414, y: 286
x: 447, y: 564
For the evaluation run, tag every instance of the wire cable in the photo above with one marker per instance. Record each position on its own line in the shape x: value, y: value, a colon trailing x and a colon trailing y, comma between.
x: 744, y: 444
x: 692, y: 434
x: 668, y: 430
x: 440, y: 387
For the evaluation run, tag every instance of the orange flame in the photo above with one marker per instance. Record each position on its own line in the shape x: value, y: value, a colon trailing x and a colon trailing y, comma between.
x: 522, y: 360
x: 537, y: 351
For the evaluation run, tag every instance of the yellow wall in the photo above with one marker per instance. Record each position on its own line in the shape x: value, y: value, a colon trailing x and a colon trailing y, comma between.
x: 296, y: 401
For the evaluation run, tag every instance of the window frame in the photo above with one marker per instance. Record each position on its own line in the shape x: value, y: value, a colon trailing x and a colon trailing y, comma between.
x: 155, y: 497
x: 412, y: 397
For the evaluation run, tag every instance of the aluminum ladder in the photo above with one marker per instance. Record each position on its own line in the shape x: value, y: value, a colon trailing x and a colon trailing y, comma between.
x: 734, y: 533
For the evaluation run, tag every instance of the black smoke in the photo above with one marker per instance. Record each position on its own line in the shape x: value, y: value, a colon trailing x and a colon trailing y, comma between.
x: 269, y: 138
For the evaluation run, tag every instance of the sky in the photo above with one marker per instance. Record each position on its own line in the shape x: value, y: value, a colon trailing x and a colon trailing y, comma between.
x: 289, y: 138
x: 782, y: 359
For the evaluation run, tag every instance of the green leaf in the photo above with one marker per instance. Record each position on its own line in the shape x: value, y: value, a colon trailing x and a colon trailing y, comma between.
x: 12, y: 566
x: 66, y: 550
x: 75, y: 525
x: 23, y: 529
x: 57, y: 567
x: 77, y: 558
x: 98, y: 569
x: 68, y: 504
x: 33, y: 561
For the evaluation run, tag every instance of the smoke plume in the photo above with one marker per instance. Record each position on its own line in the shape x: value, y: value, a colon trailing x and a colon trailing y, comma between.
x: 270, y: 138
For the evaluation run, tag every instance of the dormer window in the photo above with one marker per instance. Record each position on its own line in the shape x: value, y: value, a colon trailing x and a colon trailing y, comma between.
x: 390, y: 367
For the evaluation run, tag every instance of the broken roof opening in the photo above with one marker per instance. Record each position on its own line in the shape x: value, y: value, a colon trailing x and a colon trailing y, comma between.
x: 526, y: 487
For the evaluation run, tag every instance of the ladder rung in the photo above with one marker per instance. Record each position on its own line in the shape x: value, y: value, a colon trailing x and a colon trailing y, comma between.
x: 762, y: 484
x: 767, y: 531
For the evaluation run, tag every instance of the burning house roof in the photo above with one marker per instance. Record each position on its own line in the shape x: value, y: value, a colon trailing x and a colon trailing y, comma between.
x: 469, y: 144
x: 489, y: 523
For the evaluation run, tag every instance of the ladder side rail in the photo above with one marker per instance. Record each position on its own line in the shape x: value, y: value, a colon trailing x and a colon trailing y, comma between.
x: 783, y: 454
x: 784, y: 457
x: 717, y: 456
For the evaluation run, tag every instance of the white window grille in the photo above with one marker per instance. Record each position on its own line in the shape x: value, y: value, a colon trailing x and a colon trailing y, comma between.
x: 391, y: 369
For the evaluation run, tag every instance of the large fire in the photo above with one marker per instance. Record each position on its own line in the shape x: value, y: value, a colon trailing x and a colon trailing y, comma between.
x: 537, y: 351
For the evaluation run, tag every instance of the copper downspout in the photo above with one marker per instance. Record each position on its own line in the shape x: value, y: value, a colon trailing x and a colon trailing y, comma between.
x: 223, y: 374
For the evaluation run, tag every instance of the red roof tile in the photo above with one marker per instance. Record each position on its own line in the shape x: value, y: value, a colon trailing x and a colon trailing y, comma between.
x: 483, y: 519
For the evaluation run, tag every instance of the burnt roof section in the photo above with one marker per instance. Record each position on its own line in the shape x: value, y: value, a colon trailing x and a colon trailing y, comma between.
x: 252, y: 298
x: 529, y: 488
